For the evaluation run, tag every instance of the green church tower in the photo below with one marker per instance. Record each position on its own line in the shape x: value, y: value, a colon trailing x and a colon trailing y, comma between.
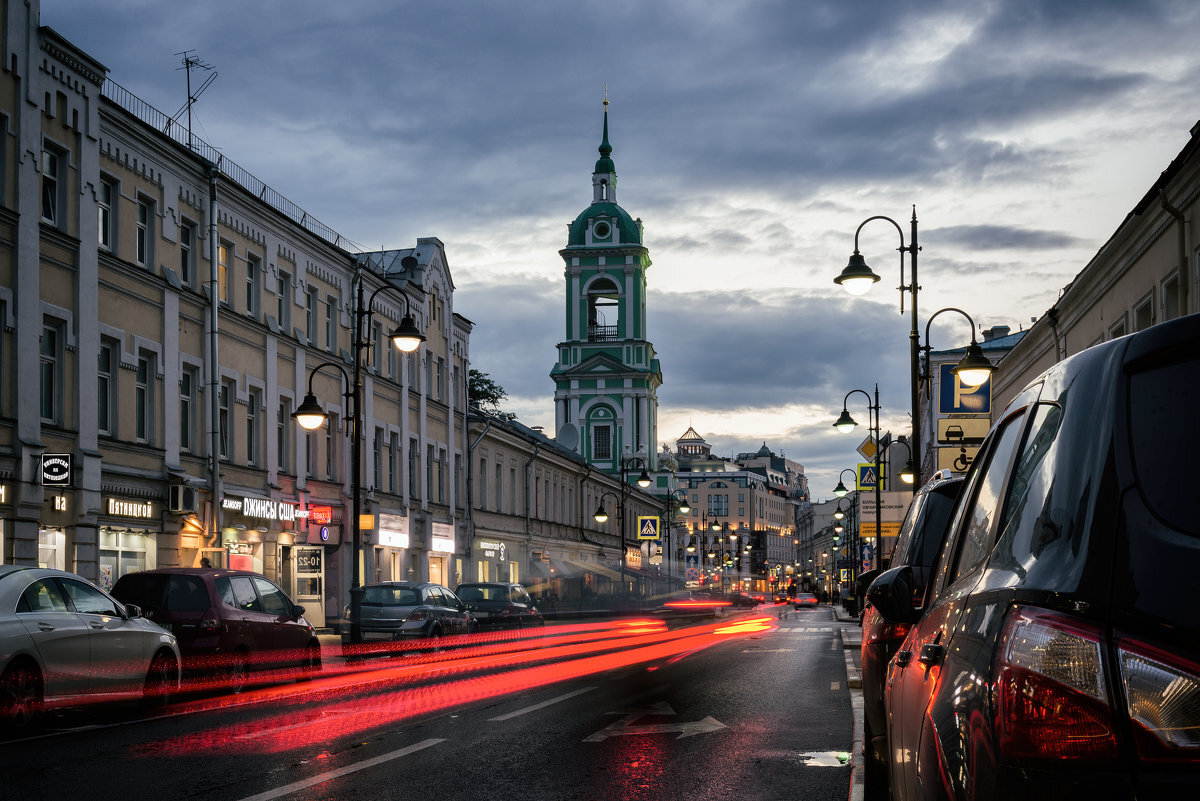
x: 607, y: 377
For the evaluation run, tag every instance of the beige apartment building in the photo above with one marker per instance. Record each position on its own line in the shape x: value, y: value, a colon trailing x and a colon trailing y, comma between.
x: 1145, y: 273
x: 164, y: 315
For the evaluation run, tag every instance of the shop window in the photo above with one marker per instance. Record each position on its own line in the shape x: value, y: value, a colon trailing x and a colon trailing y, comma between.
x: 52, y: 548
x: 124, y: 551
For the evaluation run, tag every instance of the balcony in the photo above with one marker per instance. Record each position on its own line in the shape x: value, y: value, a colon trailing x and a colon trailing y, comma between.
x: 603, y: 333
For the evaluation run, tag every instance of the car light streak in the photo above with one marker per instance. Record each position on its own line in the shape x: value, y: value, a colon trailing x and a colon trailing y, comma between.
x: 342, y: 711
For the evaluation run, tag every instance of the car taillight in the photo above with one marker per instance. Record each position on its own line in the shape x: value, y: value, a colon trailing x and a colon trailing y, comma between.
x: 1051, y: 699
x: 1163, y: 694
x: 209, y: 622
x: 892, y: 633
x: 418, y: 614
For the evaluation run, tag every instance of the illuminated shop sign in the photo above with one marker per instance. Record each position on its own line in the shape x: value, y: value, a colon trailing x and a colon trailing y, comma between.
x: 56, y: 469
x: 393, y: 531
x: 492, y: 550
x: 443, y: 538
x: 320, y: 515
x: 264, y: 509
x: 139, y: 509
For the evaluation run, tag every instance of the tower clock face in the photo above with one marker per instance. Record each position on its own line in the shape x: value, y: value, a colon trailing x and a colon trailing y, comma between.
x: 601, y: 230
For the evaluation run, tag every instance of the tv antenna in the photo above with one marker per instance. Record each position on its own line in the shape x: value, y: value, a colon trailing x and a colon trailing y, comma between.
x: 191, y: 62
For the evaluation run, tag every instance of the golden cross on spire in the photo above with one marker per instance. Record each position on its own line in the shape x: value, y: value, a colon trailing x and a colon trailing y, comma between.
x: 606, y: 95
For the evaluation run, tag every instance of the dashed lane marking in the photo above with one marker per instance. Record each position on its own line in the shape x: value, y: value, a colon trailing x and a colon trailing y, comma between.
x: 542, y: 705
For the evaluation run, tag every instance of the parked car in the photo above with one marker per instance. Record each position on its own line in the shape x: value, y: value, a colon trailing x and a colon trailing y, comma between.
x: 917, y: 545
x: 229, y: 623
x: 499, y: 605
x: 63, y: 639
x: 1057, y: 656
x: 804, y: 600
x: 406, y: 610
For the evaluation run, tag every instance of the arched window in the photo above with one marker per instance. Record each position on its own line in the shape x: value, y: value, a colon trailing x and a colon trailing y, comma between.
x: 604, y: 323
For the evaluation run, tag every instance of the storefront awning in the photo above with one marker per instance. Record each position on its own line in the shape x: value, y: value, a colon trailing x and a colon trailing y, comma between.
x: 597, y: 568
x: 553, y: 568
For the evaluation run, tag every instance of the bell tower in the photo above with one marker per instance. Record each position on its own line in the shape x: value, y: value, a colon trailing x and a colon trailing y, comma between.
x: 607, y: 375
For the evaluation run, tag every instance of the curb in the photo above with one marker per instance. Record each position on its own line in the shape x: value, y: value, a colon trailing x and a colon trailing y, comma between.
x: 851, y: 641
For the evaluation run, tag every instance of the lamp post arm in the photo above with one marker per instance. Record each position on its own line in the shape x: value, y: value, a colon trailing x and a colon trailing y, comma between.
x: 928, y: 374
x: 313, y: 372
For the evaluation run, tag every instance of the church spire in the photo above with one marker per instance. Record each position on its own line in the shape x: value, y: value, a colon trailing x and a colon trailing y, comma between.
x: 604, y: 177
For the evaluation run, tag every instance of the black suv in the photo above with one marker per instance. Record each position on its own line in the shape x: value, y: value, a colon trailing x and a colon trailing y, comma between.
x: 1058, y: 655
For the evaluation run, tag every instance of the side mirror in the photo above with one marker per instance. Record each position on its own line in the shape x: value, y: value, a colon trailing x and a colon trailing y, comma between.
x: 133, y: 611
x: 891, y: 595
x: 297, y: 611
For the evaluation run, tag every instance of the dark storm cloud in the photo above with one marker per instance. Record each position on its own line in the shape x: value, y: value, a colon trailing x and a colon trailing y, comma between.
x: 999, y: 237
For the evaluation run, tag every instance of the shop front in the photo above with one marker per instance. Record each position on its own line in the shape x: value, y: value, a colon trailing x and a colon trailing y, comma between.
x: 441, y: 551
x: 127, y: 539
x: 392, y: 557
x: 493, y: 560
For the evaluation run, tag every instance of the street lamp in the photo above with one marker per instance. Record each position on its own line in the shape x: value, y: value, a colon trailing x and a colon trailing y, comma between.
x: 857, y: 278
x: 845, y: 423
x: 309, y: 414
x: 840, y: 490
x: 676, y: 501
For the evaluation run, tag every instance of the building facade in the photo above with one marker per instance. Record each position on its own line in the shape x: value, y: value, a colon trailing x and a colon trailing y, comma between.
x: 164, y: 313
x: 1146, y: 273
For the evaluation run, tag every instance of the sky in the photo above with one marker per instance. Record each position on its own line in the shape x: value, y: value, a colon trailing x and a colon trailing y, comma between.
x: 752, y: 139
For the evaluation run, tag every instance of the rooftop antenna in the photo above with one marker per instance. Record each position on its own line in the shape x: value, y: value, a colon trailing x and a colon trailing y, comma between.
x: 191, y: 62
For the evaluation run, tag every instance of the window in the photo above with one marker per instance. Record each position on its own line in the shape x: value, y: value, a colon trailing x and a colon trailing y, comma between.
x: 331, y: 324
x: 187, y: 254
x: 107, y: 196
x: 1118, y: 329
x: 413, y: 470
x: 440, y: 381
x: 253, y: 284
x: 1171, y: 301
x: 274, y: 602
x: 253, y: 433
x: 145, y: 232
x: 330, y: 449
x: 51, y: 372
x: 601, y: 442
x: 225, y: 406
x: 1143, y: 313
x: 377, y: 454
x: 394, y: 464
x: 376, y: 345
x: 282, y: 306
x: 442, y: 464
x: 143, y: 398
x: 980, y: 515
x: 429, y: 466
x: 223, y: 272
x: 52, y: 185
x: 187, y: 409
x: 106, y: 387
x: 310, y: 315
x: 483, y: 477
x: 499, y: 489
x: 282, y: 428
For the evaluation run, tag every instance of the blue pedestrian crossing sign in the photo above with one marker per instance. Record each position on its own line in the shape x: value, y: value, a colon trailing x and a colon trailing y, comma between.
x: 867, y: 477
x: 647, y: 527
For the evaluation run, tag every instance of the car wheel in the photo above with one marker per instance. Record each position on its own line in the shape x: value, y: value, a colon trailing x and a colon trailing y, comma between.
x: 311, y: 663
x: 20, y: 695
x: 435, y: 641
x: 235, y: 673
x: 162, y: 681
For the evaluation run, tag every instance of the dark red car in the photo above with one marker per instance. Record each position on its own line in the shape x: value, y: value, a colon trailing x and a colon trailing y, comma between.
x: 227, y: 622
x: 498, y: 605
x: 921, y: 536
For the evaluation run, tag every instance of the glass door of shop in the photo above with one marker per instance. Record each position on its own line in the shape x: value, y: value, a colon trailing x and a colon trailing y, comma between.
x: 309, y: 583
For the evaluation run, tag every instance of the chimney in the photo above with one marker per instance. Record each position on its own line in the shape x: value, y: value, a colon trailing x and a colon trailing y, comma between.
x: 995, y: 332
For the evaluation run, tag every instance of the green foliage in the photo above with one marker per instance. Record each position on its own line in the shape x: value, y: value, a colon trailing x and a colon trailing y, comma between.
x: 483, y: 392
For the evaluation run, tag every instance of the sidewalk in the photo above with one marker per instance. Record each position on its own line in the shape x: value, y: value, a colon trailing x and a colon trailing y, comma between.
x: 851, y: 634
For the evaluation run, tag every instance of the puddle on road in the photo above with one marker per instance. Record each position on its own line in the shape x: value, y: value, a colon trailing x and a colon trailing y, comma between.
x: 825, y: 759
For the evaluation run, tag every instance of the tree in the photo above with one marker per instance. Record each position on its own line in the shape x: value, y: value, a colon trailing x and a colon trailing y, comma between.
x: 483, y: 392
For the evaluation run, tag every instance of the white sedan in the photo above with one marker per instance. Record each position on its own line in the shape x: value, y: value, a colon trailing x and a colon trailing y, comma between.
x: 64, y: 641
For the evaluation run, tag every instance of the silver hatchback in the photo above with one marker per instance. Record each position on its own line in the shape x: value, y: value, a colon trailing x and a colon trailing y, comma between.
x: 403, y: 610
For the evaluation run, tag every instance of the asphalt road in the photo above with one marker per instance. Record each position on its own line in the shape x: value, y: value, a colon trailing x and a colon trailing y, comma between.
x: 715, y: 712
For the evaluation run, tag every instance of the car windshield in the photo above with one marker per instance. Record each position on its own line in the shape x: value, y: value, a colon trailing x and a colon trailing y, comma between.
x: 391, y: 596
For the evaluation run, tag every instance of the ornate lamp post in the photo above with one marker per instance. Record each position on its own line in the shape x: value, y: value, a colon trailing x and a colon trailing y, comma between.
x: 407, y: 337
x: 676, y: 502
x: 857, y: 278
x: 846, y: 424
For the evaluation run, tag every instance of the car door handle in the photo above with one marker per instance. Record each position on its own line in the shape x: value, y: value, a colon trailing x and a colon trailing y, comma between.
x: 903, y: 658
x: 931, y: 654
x: 45, y: 627
x: 98, y: 626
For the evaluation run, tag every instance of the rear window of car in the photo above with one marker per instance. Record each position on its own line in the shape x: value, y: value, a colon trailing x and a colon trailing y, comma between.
x: 391, y: 596
x: 1163, y: 400
x: 162, y: 592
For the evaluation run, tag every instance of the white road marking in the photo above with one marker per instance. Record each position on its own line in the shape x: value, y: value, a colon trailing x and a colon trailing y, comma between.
x: 542, y: 705
x: 767, y: 650
x: 321, y: 778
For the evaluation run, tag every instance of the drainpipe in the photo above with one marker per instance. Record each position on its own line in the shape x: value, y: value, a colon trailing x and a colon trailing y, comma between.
x: 537, y: 446
x: 1052, y: 321
x: 214, y: 367
x: 470, y: 505
x: 1183, y: 265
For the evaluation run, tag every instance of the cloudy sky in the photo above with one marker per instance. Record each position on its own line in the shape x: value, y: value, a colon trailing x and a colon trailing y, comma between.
x: 751, y: 138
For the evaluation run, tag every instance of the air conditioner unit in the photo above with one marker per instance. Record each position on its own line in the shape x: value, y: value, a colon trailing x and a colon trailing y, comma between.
x: 183, y: 499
